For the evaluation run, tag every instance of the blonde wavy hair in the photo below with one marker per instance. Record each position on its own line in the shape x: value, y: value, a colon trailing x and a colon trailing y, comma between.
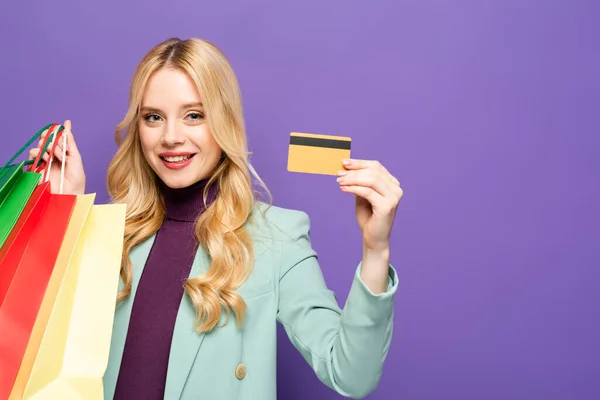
x: 221, y: 228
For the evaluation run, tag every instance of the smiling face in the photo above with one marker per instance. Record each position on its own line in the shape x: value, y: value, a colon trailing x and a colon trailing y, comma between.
x: 174, y: 134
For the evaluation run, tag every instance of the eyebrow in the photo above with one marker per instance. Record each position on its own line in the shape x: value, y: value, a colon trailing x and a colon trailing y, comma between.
x: 183, y: 107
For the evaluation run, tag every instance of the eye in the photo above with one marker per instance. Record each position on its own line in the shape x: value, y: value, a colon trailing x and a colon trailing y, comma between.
x: 195, y: 116
x: 152, y: 118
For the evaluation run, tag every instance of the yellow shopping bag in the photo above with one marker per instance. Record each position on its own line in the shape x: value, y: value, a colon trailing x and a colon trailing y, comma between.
x: 73, y: 354
x: 72, y: 235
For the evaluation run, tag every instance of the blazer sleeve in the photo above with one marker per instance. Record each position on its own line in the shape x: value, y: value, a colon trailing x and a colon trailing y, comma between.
x: 345, y: 347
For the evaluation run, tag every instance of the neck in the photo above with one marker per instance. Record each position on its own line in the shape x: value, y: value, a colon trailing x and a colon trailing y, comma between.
x: 187, y: 204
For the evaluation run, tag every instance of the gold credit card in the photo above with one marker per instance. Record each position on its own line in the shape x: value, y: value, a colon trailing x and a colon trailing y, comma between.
x: 317, y: 154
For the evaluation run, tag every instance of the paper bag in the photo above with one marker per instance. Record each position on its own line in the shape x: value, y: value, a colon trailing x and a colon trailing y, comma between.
x: 25, y: 271
x: 73, y: 354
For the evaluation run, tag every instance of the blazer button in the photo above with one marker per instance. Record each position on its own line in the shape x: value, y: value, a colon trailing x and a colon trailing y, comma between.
x: 240, y: 371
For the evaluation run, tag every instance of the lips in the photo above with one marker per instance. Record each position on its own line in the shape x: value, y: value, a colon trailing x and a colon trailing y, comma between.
x: 176, y: 160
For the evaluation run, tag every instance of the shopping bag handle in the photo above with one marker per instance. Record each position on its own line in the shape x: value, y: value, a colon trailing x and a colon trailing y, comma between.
x: 60, y: 134
x: 44, y: 167
x: 22, y: 149
x: 38, y: 162
x: 38, y: 165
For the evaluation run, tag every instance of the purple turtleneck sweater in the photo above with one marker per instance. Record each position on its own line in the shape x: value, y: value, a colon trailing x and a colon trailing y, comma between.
x: 143, y: 369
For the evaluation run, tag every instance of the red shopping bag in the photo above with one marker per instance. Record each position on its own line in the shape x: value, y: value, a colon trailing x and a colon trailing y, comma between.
x: 23, y: 228
x: 26, y: 264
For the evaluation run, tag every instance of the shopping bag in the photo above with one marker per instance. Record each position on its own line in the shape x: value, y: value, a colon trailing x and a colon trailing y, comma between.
x: 9, y: 176
x: 25, y: 270
x: 9, y: 173
x: 24, y: 292
x: 15, y: 198
x: 23, y: 227
x: 18, y: 184
x: 73, y: 353
x: 82, y: 207
x: 17, y: 241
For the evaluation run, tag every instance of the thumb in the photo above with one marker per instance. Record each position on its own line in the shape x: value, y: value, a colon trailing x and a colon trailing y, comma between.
x: 71, y: 144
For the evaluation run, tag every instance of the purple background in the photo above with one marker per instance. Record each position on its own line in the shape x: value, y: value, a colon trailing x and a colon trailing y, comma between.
x: 487, y: 112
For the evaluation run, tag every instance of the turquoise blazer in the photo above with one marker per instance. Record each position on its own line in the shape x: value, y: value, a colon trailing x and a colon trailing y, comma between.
x: 346, y: 348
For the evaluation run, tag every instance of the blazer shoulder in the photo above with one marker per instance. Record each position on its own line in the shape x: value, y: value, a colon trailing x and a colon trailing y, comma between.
x: 278, y: 223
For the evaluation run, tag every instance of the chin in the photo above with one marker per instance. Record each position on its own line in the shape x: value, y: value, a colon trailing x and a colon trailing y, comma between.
x: 179, y: 182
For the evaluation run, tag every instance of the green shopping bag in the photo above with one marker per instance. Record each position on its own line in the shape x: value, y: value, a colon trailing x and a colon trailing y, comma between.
x: 8, y: 179
x: 17, y: 182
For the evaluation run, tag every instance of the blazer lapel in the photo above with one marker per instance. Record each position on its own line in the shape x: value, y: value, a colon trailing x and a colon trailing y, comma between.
x: 138, y: 256
x: 186, y: 340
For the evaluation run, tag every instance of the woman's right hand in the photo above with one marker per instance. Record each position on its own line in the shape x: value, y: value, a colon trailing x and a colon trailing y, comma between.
x: 74, y: 180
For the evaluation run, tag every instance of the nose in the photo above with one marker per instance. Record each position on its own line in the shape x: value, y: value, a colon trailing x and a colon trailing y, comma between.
x: 172, y: 134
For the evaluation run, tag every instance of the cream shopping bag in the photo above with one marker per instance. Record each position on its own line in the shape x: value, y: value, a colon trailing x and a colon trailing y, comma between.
x: 73, y: 354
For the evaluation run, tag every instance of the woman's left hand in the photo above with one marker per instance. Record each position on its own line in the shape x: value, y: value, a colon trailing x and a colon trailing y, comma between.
x: 378, y: 194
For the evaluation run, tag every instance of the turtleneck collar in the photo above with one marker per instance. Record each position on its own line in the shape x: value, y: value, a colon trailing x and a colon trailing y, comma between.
x: 187, y: 204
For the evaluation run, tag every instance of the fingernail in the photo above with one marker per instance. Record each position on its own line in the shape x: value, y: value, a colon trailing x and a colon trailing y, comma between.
x: 340, y: 179
x: 342, y: 173
x: 347, y: 162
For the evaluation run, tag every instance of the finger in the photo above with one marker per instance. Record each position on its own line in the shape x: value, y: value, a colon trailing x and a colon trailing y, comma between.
x: 353, y: 164
x: 380, y: 205
x: 59, y: 150
x: 58, y: 153
x: 365, y: 192
x: 375, y: 199
x: 391, y: 179
x: 361, y: 164
x: 375, y: 180
x: 33, y: 153
x: 71, y: 144
x: 42, y: 138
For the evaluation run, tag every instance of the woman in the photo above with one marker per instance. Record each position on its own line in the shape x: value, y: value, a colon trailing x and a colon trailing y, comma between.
x: 208, y: 269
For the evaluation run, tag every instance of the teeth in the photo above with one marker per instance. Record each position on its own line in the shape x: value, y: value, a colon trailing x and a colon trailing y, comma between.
x: 176, y: 159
